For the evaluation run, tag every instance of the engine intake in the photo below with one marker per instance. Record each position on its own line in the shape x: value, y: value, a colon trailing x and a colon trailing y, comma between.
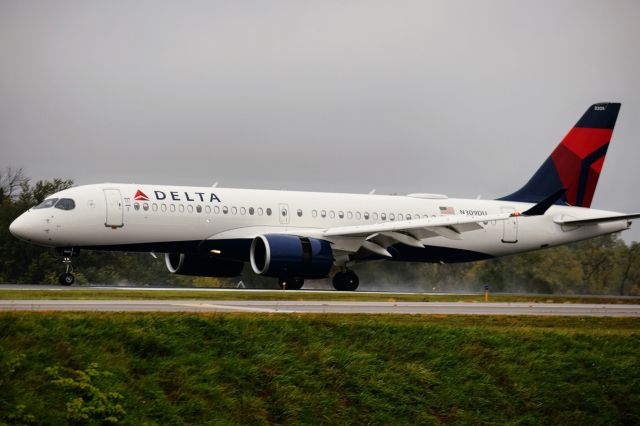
x: 276, y: 255
x: 203, y: 265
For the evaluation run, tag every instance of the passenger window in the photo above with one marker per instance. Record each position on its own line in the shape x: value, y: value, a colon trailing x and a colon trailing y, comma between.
x: 358, y: 215
x: 234, y: 210
x: 283, y: 212
x: 154, y: 207
x: 199, y: 208
x: 349, y: 215
x: 190, y: 208
x: 216, y: 210
x: 172, y: 207
x: 251, y: 211
x: 65, y: 204
x: 383, y: 216
x: 163, y: 207
x: 181, y: 208
x: 225, y: 209
x: 366, y: 215
x: 332, y: 214
x: 207, y: 209
x: 145, y: 207
x: 299, y: 213
x: 243, y: 211
x: 259, y: 211
x: 323, y: 213
x: 392, y: 216
x: 374, y: 216
x: 341, y: 215
x: 314, y: 213
x: 268, y: 211
x: 46, y: 203
x: 400, y: 217
x: 136, y: 206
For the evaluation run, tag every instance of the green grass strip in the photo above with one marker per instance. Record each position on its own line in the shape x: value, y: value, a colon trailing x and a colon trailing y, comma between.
x: 235, y: 369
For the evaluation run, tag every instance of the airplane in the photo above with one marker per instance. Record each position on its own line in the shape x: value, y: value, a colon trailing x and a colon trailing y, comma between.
x: 293, y: 235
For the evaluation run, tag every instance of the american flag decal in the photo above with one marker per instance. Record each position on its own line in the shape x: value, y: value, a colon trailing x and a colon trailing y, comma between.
x: 446, y: 210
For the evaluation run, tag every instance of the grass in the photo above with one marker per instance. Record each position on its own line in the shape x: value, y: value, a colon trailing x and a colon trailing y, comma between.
x: 115, y: 294
x: 311, y: 369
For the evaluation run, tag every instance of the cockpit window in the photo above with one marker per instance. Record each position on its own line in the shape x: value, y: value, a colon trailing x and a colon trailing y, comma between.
x: 65, y: 204
x: 50, y: 202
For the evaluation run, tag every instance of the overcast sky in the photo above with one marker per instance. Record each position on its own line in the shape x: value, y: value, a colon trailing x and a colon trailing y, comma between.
x: 465, y: 98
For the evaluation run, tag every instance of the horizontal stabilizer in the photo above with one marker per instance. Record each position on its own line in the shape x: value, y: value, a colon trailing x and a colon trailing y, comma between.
x: 540, y: 208
x: 596, y: 220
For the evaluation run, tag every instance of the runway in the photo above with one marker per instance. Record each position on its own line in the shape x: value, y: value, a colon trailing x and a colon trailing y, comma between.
x: 325, y: 307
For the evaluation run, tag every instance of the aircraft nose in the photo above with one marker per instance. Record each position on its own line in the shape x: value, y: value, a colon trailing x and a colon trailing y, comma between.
x: 20, y: 228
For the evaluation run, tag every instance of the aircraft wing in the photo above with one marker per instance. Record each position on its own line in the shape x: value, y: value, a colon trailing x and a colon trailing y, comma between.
x: 596, y: 220
x: 454, y: 223
x: 377, y: 237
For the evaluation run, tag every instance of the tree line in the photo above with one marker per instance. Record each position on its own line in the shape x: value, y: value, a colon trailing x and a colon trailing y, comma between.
x: 604, y: 265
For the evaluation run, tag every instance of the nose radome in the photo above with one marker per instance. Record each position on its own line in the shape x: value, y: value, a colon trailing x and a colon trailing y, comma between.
x: 19, y: 228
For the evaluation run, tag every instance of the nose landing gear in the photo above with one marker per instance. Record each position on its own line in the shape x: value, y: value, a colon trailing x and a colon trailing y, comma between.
x: 67, y: 278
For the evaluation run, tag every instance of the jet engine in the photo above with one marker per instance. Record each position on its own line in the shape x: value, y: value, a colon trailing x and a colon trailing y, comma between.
x: 204, y: 265
x: 277, y: 255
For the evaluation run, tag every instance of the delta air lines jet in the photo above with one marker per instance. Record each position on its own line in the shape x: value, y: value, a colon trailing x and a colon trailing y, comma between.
x: 294, y: 236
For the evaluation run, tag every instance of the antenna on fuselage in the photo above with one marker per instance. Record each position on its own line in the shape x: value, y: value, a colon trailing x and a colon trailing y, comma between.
x: 373, y: 191
x: 215, y: 184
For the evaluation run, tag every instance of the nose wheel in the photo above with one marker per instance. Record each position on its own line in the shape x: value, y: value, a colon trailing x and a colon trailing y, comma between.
x: 67, y: 278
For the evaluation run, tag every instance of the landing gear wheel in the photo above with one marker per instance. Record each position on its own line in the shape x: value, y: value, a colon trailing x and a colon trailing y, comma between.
x: 66, y: 278
x: 291, y: 283
x: 345, y: 281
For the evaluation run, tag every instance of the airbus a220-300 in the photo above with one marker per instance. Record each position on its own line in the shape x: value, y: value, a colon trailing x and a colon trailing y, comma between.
x: 293, y: 236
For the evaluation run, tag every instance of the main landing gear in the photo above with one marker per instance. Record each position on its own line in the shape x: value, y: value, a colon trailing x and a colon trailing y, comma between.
x: 67, y: 278
x: 345, y: 281
x: 292, y: 283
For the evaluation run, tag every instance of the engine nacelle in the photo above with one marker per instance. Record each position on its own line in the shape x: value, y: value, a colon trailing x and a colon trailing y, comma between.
x: 277, y: 255
x: 203, y: 265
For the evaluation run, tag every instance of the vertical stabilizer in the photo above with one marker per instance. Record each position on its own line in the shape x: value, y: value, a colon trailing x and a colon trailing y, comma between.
x: 576, y: 163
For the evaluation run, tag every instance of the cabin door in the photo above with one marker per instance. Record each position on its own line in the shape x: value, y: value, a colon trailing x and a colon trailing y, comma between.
x: 510, y: 227
x: 114, y: 208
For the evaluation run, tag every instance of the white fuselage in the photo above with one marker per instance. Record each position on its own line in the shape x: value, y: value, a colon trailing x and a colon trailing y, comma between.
x: 176, y: 219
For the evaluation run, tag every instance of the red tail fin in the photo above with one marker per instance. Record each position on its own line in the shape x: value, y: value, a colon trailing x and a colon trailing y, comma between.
x: 576, y: 163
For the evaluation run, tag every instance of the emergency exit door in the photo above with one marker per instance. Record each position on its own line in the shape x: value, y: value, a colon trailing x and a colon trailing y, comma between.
x: 115, y: 211
x: 284, y: 214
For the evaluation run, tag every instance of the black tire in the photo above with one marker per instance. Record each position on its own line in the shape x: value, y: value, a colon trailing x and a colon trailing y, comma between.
x: 345, y: 281
x: 66, y: 278
x: 294, y: 283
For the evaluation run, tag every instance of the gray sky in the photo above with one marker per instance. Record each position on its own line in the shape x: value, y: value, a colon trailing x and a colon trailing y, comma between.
x: 455, y: 97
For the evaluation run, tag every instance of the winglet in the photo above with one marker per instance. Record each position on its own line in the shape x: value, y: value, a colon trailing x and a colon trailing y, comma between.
x: 541, y: 208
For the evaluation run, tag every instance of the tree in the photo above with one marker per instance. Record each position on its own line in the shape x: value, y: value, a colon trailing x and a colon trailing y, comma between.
x: 10, y: 181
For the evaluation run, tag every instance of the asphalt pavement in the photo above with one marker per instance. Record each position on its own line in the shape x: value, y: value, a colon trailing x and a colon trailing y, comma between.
x: 326, y: 307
